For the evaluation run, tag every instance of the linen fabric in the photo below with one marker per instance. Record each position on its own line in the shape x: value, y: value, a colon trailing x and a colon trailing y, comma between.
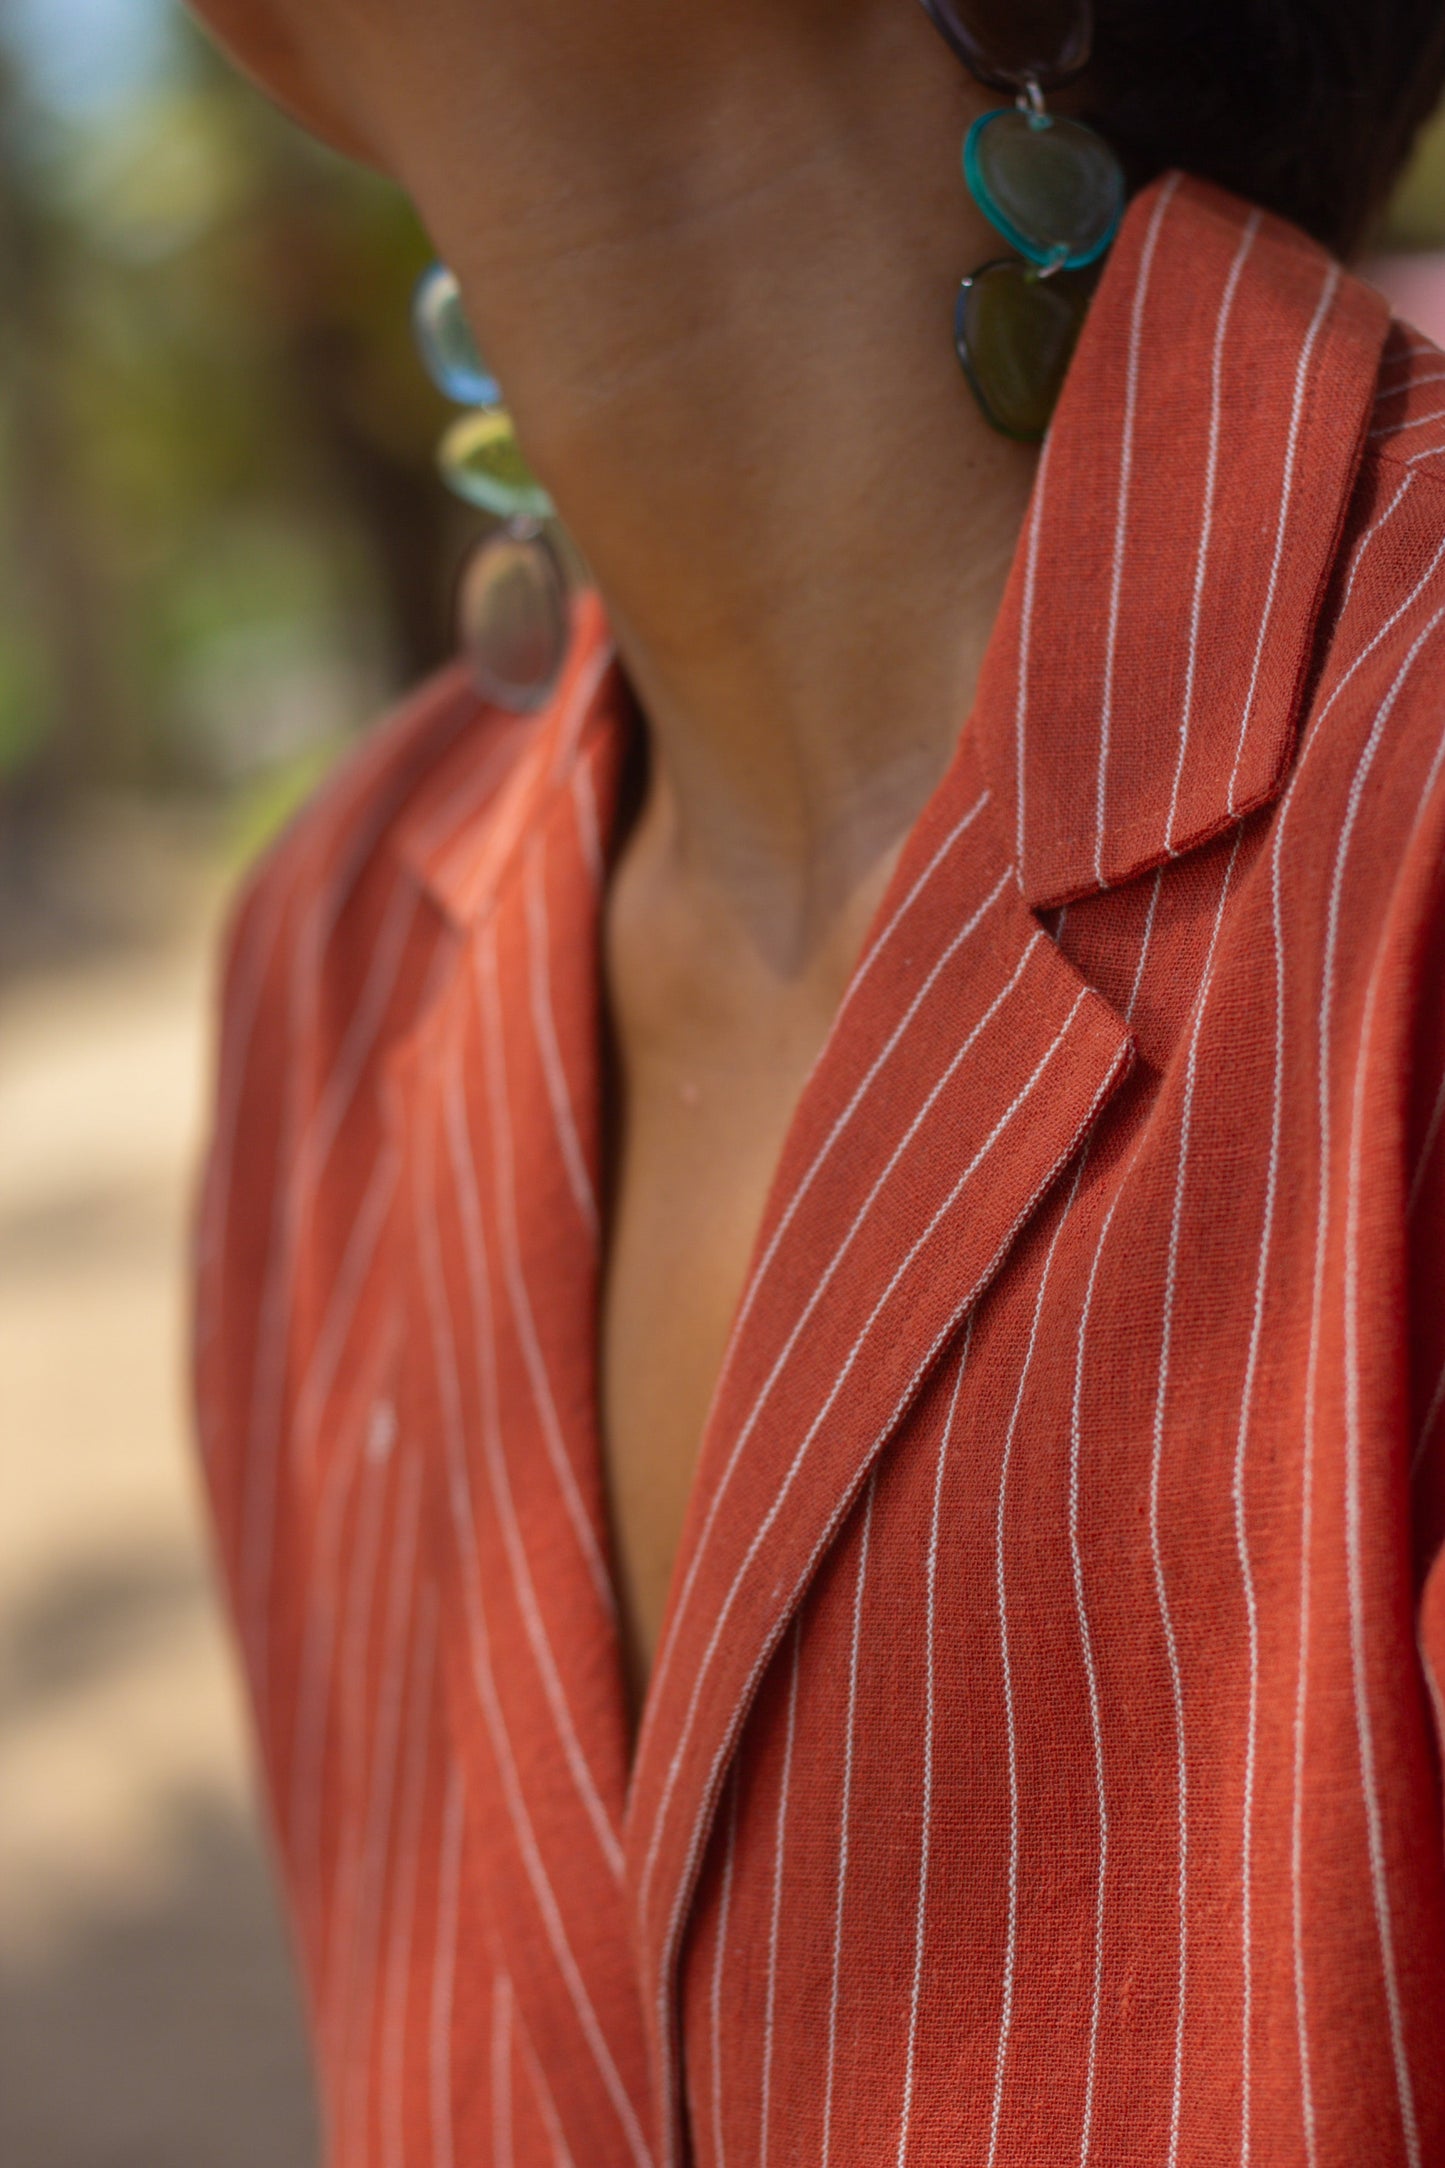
x: 1042, y: 1763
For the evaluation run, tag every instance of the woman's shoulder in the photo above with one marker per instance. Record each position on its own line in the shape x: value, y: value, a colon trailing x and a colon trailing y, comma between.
x: 428, y: 763
x: 332, y: 931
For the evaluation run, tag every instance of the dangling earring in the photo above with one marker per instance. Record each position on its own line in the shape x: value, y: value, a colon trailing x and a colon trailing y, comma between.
x: 513, y: 600
x: 1051, y: 186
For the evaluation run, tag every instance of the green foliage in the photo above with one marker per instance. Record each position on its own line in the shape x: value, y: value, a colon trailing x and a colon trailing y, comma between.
x: 221, y: 535
x: 222, y: 541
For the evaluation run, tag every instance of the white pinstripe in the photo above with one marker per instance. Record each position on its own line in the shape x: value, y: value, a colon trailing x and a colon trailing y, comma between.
x: 1241, y: 1539
x: 356, y: 2054
x: 1364, y: 1725
x: 1126, y: 475
x: 516, y: 796
x: 444, y: 1972
x: 248, y: 982
x: 1206, y: 524
x: 1026, y: 627
x: 885, y: 933
x: 249, y: 977
x: 480, y: 1654
x: 539, y: 977
x: 779, y: 1851
x: 499, y: 1480
x: 256, y: 1518
x: 579, y: 708
x: 1370, y: 646
x: 760, y: 1271
x: 1406, y: 484
x: 349, y: 1280
x: 1364, y: 1722
x: 1307, y: 1474
x: 589, y: 831
x: 346, y: 1288
x: 292, y: 1197
x: 1307, y: 2108
x: 313, y: 1692
x: 1076, y: 1561
x: 1404, y: 355
x: 925, y: 1836
x: 1091, y: 1673
x: 356, y: 1630
x: 1316, y: 1308
x: 843, y: 1812
x: 502, y: 2071
x: 1005, y: 2023
x: 1407, y: 383
x: 438, y: 831
x: 1416, y: 421
x: 542, y: 2094
x: 408, y: 1848
x: 826, y: 1535
x: 725, y: 1899
x: 1160, y: 1588
x: 820, y: 1288
x: 504, y: 1182
x: 1331, y: 287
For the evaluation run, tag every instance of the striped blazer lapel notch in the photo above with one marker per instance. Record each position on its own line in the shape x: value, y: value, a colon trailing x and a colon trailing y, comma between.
x: 966, y: 1067
x: 1156, y: 642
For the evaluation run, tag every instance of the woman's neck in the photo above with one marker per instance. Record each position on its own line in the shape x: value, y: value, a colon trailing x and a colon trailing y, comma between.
x: 713, y: 263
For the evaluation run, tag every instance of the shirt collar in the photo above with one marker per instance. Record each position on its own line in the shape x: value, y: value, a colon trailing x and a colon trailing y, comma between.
x: 465, y: 833
x: 1142, y: 687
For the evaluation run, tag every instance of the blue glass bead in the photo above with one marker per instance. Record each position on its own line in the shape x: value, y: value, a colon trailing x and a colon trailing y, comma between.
x: 1053, y: 188
x: 481, y: 461
x: 1015, y: 334
x: 445, y: 342
x: 1012, y: 43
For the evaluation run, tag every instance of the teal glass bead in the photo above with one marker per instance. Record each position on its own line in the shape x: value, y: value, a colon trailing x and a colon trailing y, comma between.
x: 1012, y: 43
x: 445, y: 342
x: 514, y: 617
x: 482, y: 462
x: 1053, y: 187
x: 1015, y: 334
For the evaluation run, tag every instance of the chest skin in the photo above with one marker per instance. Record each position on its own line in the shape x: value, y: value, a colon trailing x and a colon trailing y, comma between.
x: 695, y: 1155
x: 712, y: 1040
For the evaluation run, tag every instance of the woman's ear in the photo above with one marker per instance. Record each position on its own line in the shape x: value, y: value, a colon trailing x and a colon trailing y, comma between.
x: 252, y: 32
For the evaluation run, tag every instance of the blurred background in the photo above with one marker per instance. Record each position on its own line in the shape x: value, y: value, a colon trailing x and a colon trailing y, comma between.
x: 222, y: 550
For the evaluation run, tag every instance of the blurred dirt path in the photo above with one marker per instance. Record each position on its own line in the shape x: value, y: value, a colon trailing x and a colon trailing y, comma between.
x: 147, y: 2015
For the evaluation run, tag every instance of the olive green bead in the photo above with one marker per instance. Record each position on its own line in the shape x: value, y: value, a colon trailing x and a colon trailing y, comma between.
x: 1015, y: 333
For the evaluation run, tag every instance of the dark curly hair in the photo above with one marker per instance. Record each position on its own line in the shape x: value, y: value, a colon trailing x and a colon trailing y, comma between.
x: 1309, y: 107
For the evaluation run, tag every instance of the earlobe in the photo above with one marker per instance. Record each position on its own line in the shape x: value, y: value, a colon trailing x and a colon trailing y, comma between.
x: 266, y: 50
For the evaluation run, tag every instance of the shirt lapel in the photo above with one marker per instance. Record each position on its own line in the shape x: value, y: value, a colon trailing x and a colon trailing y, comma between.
x: 499, y: 1117
x: 1140, y: 695
x: 1143, y: 689
x: 964, y: 1072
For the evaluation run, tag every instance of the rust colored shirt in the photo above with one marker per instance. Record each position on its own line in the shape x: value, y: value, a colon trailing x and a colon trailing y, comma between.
x: 1042, y: 1762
